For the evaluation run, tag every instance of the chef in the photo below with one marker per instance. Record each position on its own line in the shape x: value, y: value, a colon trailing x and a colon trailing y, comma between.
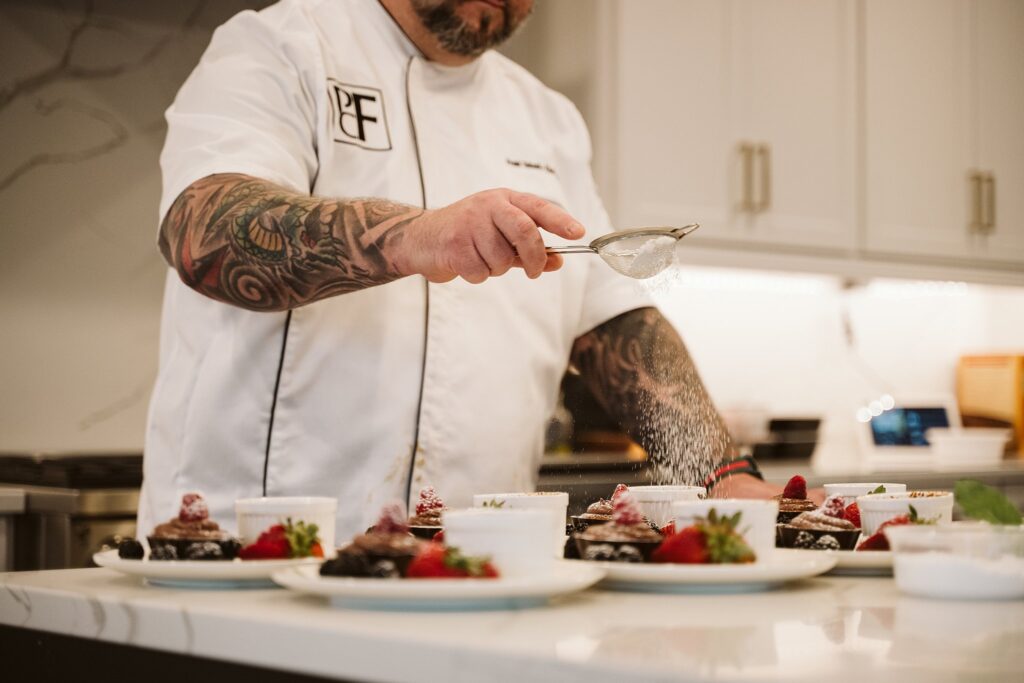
x: 356, y: 199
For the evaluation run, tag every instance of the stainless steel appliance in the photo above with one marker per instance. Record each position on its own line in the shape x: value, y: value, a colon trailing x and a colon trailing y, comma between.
x: 74, y: 505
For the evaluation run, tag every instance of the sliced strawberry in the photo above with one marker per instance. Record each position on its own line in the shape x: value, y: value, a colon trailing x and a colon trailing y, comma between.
x: 688, y: 546
x: 852, y: 514
x: 435, y: 561
x: 876, y: 541
x: 438, y: 537
x: 796, y: 488
x: 668, y: 529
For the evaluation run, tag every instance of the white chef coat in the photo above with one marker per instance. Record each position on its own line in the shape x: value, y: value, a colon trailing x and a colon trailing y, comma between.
x: 368, y: 396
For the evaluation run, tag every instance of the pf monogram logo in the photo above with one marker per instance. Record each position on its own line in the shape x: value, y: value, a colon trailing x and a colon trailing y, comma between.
x: 358, y: 116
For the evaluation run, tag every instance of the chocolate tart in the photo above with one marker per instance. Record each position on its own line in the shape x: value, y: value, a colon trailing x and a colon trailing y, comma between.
x: 206, y: 549
x: 376, y: 555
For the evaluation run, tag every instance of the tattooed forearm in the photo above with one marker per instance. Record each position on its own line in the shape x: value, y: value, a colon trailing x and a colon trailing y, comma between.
x: 248, y: 242
x: 638, y: 369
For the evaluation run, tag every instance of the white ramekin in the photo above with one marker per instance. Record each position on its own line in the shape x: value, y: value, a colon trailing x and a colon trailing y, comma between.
x: 757, y: 522
x: 656, y: 501
x: 850, y: 491
x: 878, y: 508
x: 553, y: 503
x: 508, y: 537
x: 256, y: 515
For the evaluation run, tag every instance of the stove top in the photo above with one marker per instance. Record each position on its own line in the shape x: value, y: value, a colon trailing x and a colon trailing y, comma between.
x: 68, y: 470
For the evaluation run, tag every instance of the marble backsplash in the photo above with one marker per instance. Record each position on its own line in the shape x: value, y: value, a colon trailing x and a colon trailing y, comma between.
x: 83, y: 88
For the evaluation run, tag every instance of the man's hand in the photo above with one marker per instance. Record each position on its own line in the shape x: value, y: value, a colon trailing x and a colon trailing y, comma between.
x: 484, y: 235
x: 744, y: 486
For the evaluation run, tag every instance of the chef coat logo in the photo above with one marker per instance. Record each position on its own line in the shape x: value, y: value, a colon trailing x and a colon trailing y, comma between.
x: 358, y: 116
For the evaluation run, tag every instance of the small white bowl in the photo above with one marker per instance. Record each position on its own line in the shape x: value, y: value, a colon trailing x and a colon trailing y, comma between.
x: 656, y: 501
x: 962, y: 561
x: 878, y: 508
x: 554, y: 503
x: 850, y: 491
x: 967, y: 447
x: 256, y: 515
x: 757, y: 522
x: 508, y: 537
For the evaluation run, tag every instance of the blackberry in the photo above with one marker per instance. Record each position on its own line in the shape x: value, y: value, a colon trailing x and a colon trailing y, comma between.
x: 130, y: 549
x: 804, y: 539
x: 826, y: 542
x: 163, y: 552
x: 384, y: 569
x: 204, y: 551
x: 628, y: 553
x: 346, y: 564
x: 602, y: 552
x: 230, y: 548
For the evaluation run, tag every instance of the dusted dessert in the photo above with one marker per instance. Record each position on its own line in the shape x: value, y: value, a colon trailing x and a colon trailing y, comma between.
x: 713, y: 540
x: 598, y: 512
x: 626, y: 538
x: 822, y: 529
x: 192, y: 535
x: 426, y: 523
x: 385, y: 551
x: 793, y: 500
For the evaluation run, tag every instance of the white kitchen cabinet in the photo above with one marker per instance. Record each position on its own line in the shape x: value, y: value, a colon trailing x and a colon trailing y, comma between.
x: 944, y: 129
x: 740, y: 115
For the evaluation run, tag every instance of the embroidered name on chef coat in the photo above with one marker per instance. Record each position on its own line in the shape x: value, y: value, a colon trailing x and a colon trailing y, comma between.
x: 358, y: 116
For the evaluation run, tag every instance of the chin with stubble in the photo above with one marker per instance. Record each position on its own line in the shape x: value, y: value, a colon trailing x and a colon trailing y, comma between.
x: 471, y: 27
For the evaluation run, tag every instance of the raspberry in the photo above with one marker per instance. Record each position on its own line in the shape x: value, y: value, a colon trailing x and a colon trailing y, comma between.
x: 392, y: 520
x: 833, y: 507
x: 429, y: 500
x: 193, y: 508
x: 796, y: 488
x: 852, y: 514
x: 619, y: 490
x: 626, y: 511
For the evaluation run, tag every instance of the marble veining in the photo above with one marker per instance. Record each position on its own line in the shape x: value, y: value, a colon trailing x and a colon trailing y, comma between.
x: 853, y: 628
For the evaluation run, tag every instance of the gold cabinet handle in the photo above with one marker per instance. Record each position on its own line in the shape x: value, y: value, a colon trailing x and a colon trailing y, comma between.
x: 764, y: 156
x: 977, y: 224
x: 989, y: 224
x: 747, y: 180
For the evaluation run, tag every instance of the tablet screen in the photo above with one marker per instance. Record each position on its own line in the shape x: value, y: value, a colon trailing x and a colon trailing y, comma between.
x: 906, y: 426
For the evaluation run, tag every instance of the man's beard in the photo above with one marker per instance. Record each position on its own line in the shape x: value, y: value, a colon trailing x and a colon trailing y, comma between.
x: 457, y: 36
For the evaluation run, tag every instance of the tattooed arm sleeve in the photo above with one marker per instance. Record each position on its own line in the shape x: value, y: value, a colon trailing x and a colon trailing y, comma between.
x: 638, y: 369
x: 254, y: 244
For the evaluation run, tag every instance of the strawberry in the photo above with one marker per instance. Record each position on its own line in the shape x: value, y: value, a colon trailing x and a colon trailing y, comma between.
x: 685, y: 547
x: 668, y: 529
x: 852, y: 514
x: 435, y: 561
x: 796, y: 488
x: 438, y: 537
x: 193, y: 508
x: 283, y: 541
x: 878, y: 541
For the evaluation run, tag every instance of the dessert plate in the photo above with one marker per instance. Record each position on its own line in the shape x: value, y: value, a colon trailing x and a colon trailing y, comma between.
x: 783, y: 565
x: 201, y: 573
x: 441, y: 594
x: 861, y: 563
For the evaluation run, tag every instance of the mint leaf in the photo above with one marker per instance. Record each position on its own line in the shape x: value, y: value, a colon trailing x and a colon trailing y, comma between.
x: 880, y: 489
x: 979, y: 501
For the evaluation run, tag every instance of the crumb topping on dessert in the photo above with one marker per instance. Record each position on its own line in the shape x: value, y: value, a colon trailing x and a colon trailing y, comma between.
x: 818, y: 519
x: 428, y: 509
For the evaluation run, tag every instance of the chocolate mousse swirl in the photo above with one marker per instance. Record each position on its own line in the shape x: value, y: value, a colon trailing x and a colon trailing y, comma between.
x: 205, y: 529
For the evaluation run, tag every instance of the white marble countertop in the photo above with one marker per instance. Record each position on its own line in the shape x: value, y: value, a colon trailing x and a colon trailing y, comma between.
x: 829, y: 628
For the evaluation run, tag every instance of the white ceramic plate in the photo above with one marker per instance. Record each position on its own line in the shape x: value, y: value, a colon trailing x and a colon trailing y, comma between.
x: 202, y: 573
x: 441, y: 594
x: 783, y: 565
x: 862, y: 563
